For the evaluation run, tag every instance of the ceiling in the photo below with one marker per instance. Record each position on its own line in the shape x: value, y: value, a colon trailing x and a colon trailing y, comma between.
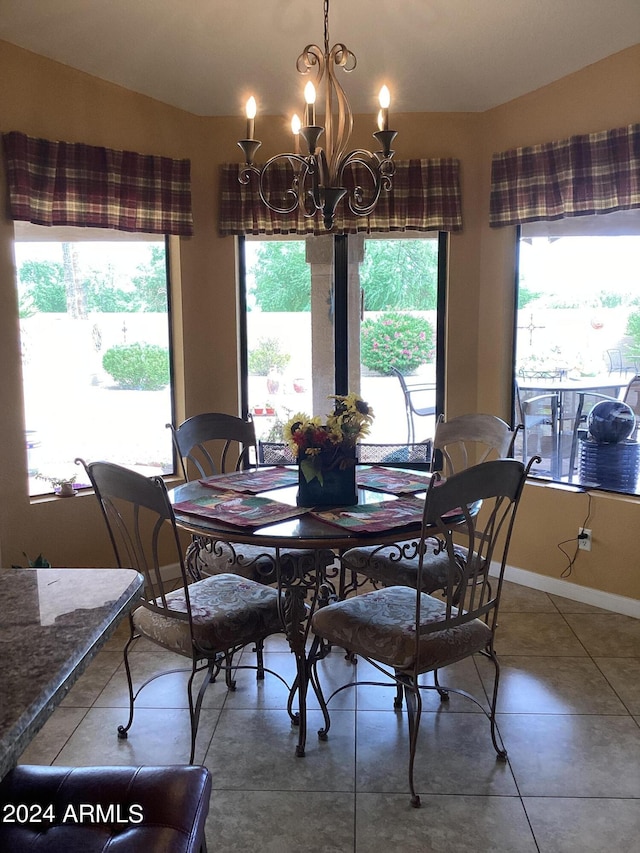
x: 206, y: 56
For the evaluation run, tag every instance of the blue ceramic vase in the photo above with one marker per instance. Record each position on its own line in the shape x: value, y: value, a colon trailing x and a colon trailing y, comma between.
x: 338, y: 484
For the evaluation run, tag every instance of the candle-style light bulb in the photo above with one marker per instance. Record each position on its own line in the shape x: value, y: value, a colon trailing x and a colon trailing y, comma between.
x: 251, y: 108
x: 310, y: 99
x: 296, y: 124
x: 383, y: 116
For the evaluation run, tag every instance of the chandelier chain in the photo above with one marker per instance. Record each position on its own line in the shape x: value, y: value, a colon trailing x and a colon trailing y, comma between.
x: 326, y: 27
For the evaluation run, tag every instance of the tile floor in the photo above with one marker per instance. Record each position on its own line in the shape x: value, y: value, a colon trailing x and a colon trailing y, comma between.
x: 569, y: 714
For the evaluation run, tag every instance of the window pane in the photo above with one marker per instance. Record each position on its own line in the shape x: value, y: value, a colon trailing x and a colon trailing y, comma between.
x: 94, y: 327
x: 399, y: 281
x: 578, y: 345
x: 290, y: 330
x: 278, y: 287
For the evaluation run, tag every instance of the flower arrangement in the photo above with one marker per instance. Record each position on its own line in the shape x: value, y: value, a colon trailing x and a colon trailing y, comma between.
x: 331, y: 446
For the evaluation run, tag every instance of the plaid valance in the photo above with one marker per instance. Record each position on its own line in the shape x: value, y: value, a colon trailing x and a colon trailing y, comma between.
x: 68, y: 183
x: 583, y: 175
x: 425, y: 197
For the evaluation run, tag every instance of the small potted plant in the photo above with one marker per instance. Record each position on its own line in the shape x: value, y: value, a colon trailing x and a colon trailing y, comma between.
x: 40, y: 562
x: 62, y: 486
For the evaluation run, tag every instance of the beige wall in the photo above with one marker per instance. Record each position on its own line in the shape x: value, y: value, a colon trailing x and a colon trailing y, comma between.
x: 40, y: 97
x: 599, y: 97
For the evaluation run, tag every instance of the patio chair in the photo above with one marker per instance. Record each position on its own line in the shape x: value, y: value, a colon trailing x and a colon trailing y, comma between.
x: 616, y: 362
x: 587, y: 400
x: 538, y: 415
x: 631, y: 397
x: 412, y: 392
x: 405, y: 633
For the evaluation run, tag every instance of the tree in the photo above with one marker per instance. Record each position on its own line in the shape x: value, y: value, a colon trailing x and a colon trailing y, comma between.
x: 50, y: 286
x: 147, y: 293
x: 525, y: 296
x: 633, y: 328
x: 400, y: 274
x: 282, y: 277
x: 43, y: 282
x: 103, y: 296
x: 395, y: 274
x: 74, y: 287
x: 150, y: 285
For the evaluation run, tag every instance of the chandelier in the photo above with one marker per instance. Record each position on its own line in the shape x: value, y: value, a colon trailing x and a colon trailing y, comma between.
x: 317, y: 182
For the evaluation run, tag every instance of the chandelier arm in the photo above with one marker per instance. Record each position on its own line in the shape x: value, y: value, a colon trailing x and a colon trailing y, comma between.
x: 310, y: 58
x: 380, y: 174
x: 373, y: 163
x: 244, y: 175
x: 295, y: 192
x: 337, y: 139
x: 316, y: 166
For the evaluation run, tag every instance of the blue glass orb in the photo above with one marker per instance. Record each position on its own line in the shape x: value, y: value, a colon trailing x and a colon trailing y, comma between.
x: 611, y: 421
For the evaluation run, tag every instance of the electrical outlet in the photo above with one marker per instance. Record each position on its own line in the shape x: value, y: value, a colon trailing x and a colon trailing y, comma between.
x: 584, y: 539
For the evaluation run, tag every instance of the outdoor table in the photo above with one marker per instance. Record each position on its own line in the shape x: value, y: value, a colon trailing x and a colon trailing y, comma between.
x: 52, y: 623
x: 568, y: 409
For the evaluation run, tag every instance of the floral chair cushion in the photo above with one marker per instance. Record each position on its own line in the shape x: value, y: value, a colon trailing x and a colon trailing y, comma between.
x: 381, y: 625
x: 210, y: 557
x: 389, y: 565
x: 227, y: 611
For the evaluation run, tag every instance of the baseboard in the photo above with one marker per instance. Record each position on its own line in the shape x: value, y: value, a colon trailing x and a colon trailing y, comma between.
x: 596, y: 597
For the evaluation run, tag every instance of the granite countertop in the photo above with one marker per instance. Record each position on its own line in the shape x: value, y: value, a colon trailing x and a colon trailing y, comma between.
x: 52, y: 623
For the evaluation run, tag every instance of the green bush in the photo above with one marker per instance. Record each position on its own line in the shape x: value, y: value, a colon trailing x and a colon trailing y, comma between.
x: 267, y: 355
x: 396, y: 340
x: 144, y: 367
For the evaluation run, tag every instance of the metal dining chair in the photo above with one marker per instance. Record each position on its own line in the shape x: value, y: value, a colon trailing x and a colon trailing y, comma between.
x: 206, y: 621
x: 457, y: 444
x: 404, y: 632
x: 216, y: 443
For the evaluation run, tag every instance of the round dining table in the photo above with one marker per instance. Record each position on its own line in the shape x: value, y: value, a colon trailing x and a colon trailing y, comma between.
x: 305, y: 581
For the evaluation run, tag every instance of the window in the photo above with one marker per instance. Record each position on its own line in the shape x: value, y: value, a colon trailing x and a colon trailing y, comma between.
x: 94, y: 331
x: 578, y: 345
x: 292, y: 309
